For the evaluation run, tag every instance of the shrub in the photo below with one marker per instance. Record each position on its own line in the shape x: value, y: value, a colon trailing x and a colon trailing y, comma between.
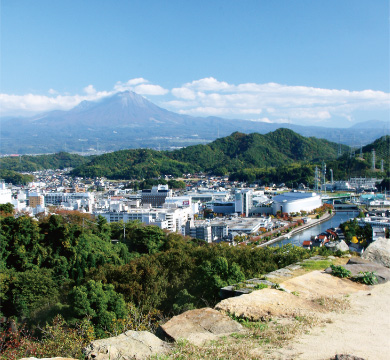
x: 367, y: 277
x: 260, y: 286
x: 340, y: 271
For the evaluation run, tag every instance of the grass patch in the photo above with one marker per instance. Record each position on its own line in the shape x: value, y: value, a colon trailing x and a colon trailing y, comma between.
x: 316, y: 264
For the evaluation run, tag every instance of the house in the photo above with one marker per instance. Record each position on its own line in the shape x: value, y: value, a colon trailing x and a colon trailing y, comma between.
x: 307, y: 244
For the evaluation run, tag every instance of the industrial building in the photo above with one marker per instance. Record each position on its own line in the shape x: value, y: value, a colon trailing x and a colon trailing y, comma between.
x: 296, y: 201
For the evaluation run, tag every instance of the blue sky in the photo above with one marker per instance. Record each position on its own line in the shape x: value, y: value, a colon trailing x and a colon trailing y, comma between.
x: 322, y: 62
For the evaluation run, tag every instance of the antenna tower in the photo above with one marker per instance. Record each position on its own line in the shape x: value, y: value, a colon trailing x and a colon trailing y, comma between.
x: 382, y: 165
x: 331, y: 176
x: 324, y: 172
x: 339, y: 151
x: 373, y: 159
x: 316, y: 178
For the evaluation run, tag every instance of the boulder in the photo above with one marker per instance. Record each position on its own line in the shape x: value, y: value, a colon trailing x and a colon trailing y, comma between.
x: 266, y: 303
x: 346, y: 357
x: 382, y: 273
x: 200, y: 325
x: 129, y: 345
x: 337, y: 245
x: 379, y: 252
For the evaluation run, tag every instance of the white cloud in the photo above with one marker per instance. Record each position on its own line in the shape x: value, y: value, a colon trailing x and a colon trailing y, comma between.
x: 208, y: 84
x: 149, y: 89
x: 140, y: 86
x: 90, y: 90
x: 184, y: 93
x: 299, y: 104
x: 210, y: 97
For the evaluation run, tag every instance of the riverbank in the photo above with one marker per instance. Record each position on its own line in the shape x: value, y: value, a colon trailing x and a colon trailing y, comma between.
x: 299, y: 229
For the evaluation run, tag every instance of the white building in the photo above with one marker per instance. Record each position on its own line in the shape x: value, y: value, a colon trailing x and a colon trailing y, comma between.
x: 5, y: 193
x: 295, y: 202
x: 75, y: 201
x: 171, y: 219
x: 243, y: 201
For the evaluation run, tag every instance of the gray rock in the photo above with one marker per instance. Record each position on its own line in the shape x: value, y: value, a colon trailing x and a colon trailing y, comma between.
x: 382, y: 273
x: 379, y: 252
x: 358, y: 260
x: 294, y: 267
x: 337, y: 245
x: 200, y: 325
x: 346, y: 255
x: 346, y: 357
x: 135, y: 345
x: 265, y: 304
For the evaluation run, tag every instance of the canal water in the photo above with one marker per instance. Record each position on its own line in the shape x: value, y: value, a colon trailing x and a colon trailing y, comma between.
x: 335, y: 221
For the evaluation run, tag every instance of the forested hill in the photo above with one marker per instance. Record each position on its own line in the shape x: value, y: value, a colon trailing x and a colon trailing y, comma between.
x: 30, y: 163
x: 224, y: 155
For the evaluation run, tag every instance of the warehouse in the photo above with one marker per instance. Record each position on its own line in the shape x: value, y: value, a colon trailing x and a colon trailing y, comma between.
x: 296, y: 201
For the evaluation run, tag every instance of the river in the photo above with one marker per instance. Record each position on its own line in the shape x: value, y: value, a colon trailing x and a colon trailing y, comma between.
x: 335, y: 221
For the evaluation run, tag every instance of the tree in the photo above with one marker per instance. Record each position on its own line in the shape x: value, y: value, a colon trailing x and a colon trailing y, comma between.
x: 7, y: 208
x: 100, y: 302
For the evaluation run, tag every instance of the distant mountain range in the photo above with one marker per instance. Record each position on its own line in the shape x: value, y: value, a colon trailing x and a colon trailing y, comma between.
x: 127, y: 120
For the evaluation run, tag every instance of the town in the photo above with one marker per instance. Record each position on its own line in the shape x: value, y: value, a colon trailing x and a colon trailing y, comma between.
x: 209, y: 208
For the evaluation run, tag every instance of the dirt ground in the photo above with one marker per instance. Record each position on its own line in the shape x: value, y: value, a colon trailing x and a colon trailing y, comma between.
x: 363, y: 330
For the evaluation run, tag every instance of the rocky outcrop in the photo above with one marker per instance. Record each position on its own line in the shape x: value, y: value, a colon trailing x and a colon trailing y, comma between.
x: 378, y: 252
x: 316, y: 284
x: 266, y: 303
x: 337, y: 245
x: 200, y: 325
x: 346, y: 357
x: 134, y: 345
x: 357, y: 266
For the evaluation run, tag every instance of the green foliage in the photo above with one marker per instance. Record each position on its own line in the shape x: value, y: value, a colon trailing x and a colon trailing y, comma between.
x: 66, y: 264
x: 260, y: 286
x: 236, y: 152
x: 351, y: 229
x: 14, y: 177
x: 99, y: 302
x: 184, y: 301
x: 316, y: 264
x: 60, y: 160
x: 7, y: 208
x: 366, y: 277
x: 340, y: 271
x: 56, y: 338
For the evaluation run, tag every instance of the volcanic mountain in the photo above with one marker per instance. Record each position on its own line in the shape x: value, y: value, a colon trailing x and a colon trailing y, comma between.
x: 128, y: 120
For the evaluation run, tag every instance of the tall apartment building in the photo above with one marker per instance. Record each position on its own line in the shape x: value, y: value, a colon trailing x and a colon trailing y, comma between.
x: 36, y: 199
x: 243, y: 201
x: 156, y: 196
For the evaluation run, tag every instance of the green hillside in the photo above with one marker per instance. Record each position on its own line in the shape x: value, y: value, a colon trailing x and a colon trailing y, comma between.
x: 225, y: 155
x: 60, y: 160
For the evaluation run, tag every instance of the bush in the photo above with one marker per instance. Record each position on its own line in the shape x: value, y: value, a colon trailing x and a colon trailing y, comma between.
x: 260, y: 286
x: 340, y: 271
x: 367, y: 277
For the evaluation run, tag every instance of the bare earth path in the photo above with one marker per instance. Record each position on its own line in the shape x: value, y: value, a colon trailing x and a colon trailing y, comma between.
x: 363, y: 330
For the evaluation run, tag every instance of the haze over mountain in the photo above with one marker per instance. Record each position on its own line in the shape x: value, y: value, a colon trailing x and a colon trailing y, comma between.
x: 128, y: 120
